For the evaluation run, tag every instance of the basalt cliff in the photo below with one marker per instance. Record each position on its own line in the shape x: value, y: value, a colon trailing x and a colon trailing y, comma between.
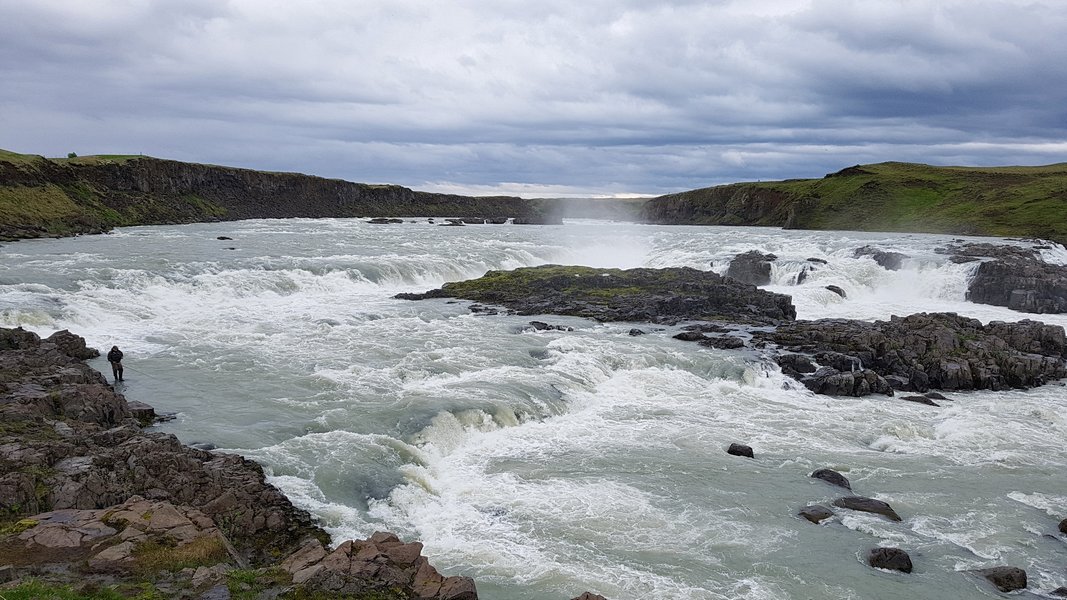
x: 41, y: 197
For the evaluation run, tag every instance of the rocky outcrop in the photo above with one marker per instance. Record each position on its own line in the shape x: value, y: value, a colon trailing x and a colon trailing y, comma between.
x: 1014, y: 277
x: 380, y: 563
x: 892, y: 559
x: 922, y: 351
x: 666, y: 296
x: 752, y: 267
x: 69, y: 441
x: 91, y: 492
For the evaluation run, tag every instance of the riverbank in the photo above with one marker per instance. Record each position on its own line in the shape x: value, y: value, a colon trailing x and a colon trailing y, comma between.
x: 93, y: 503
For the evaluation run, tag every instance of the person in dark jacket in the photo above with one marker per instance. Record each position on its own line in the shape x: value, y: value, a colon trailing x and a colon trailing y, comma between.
x: 115, y: 358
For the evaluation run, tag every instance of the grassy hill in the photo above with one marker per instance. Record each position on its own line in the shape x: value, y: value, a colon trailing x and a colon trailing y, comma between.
x: 890, y: 196
x: 48, y: 197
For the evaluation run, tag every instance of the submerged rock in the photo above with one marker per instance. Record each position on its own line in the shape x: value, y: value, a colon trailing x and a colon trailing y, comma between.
x: 816, y: 513
x: 891, y: 261
x: 385, y: 221
x: 666, y: 296
x: 752, y: 267
x: 1006, y: 579
x: 589, y: 596
x: 1063, y: 527
x: 893, y: 559
x: 862, y: 504
x: 837, y: 290
x: 920, y: 400
x: 833, y: 478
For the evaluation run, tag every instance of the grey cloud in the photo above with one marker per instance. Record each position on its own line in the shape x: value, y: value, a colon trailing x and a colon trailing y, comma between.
x: 601, y: 95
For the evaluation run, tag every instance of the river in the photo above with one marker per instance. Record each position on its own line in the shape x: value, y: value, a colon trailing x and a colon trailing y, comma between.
x: 545, y: 463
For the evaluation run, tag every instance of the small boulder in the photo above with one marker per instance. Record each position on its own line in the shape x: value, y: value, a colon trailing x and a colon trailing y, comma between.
x: 723, y: 342
x: 740, y: 450
x: 1063, y: 527
x: 690, y: 336
x: 817, y: 261
x: 837, y: 290
x: 589, y: 596
x: 891, y: 261
x: 1060, y: 591
x: 870, y: 505
x: 636, y: 332
x: 1006, y: 579
x: 893, y: 559
x: 833, y: 478
x: 224, y: 237
x: 920, y: 400
x: 816, y: 513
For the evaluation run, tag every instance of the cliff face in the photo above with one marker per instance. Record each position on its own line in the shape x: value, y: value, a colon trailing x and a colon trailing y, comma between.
x: 736, y: 204
x: 42, y: 197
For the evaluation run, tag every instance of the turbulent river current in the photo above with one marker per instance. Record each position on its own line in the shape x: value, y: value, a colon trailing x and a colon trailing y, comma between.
x: 546, y: 463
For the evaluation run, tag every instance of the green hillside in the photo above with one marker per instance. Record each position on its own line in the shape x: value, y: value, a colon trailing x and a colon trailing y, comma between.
x: 891, y: 196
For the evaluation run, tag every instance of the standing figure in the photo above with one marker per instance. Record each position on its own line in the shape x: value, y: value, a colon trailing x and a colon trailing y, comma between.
x: 115, y: 358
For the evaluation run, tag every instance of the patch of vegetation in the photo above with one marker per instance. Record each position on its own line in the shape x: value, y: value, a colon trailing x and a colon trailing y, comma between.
x: 16, y: 527
x: 248, y: 584
x: 155, y: 556
x: 40, y: 590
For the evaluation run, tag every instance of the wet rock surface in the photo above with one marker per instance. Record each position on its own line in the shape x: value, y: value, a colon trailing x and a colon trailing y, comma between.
x: 893, y: 559
x: 1005, y: 579
x: 891, y: 261
x: 667, y: 296
x: 832, y: 477
x: 921, y: 351
x: 862, y: 504
x: 1012, y: 276
x: 752, y: 267
x: 740, y: 450
x: 816, y: 513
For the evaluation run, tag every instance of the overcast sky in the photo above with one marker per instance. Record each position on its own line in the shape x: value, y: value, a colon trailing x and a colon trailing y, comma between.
x: 539, y: 97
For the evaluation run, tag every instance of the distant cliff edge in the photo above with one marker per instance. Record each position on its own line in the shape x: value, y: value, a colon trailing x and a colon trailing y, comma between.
x: 41, y: 197
x: 891, y: 196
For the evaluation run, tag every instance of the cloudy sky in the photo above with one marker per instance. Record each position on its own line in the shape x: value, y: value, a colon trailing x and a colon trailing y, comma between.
x: 539, y: 97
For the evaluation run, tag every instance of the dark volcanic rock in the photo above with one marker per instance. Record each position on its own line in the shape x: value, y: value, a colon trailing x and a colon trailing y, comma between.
x: 542, y: 326
x: 923, y: 351
x: 636, y: 332
x: 1006, y: 579
x: 891, y: 261
x: 832, y: 477
x: 740, y: 450
x: 106, y: 458
x: 837, y: 290
x: 666, y: 296
x: 816, y: 513
x: 920, y: 400
x: 752, y: 267
x: 859, y: 382
x: 1014, y: 277
x: 690, y: 336
x: 722, y: 342
x: 385, y: 221
x: 72, y: 345
x: 589, y: 596
x: 893, y: 559
x: 867, y: 505
x: 1063, y: 527
x: 1060, y: 591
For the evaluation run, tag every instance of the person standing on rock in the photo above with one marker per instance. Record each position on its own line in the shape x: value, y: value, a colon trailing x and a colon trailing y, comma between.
x: 115, y: 358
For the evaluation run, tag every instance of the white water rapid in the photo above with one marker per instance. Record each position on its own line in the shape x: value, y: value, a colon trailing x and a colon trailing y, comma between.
x: 547, y: 463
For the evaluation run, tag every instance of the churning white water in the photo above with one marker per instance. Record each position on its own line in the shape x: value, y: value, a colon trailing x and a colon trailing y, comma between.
x: 547, y: 463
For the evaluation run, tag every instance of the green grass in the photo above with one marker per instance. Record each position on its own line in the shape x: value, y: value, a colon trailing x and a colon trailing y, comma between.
x: 891, y: 196
x: 39, y: 590
x: 153, y: 557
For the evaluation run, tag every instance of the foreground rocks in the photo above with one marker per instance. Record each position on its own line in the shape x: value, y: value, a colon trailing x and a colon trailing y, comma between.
x: 919, y: 352
x: 666, y: 296
x: 892, y: 559
x: 1005, y: 579
x: 1014, y: 277
x: 86, y: 494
